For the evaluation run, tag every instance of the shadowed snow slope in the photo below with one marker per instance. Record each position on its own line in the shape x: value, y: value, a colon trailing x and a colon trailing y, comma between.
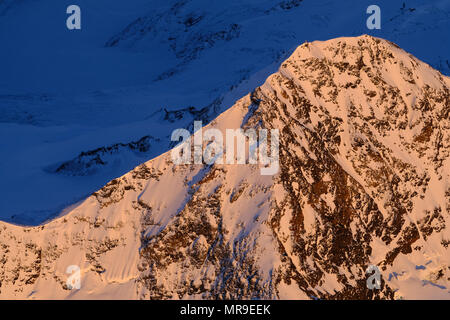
x: 363, y: 179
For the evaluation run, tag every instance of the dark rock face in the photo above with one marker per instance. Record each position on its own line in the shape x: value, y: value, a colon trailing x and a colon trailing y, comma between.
x: 340, y: 118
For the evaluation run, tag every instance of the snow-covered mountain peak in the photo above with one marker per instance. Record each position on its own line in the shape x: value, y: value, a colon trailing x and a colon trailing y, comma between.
x: 92, y: 104
x: 363, y: 180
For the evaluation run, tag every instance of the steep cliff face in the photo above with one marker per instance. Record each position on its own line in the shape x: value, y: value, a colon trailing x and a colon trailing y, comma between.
x: 363, y: 180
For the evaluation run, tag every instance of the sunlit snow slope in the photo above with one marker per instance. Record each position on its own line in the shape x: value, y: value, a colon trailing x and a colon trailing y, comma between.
x: 364, y: 179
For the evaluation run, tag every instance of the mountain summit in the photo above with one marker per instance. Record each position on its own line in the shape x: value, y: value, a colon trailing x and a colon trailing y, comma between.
x: 363, y: 181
